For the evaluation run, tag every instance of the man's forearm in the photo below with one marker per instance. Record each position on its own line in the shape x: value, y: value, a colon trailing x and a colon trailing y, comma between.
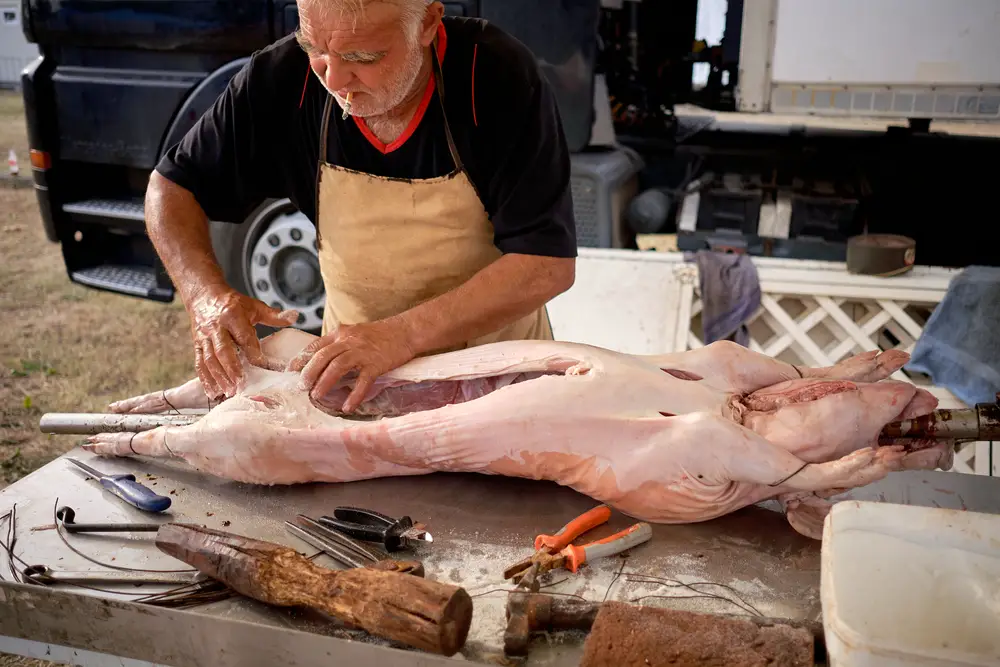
x: 509, y: 288
x: 178, y: 228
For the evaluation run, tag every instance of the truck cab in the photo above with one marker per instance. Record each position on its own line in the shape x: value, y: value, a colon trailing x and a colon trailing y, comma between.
x: 781, y: 152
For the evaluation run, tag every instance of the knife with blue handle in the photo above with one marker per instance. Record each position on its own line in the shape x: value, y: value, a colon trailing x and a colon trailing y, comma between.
x: 127, y: 488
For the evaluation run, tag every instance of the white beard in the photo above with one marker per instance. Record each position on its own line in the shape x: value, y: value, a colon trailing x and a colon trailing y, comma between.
x: 399, y: 88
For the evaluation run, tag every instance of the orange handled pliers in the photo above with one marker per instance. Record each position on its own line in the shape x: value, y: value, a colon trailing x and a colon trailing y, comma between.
x: 555, y: 551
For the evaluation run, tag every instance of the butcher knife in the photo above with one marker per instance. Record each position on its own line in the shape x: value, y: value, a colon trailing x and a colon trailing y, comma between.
x: 127, y: 488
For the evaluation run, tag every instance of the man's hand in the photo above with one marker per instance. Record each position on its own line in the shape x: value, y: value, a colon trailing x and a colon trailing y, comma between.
x: 371, y: 349
x: 222, y: 321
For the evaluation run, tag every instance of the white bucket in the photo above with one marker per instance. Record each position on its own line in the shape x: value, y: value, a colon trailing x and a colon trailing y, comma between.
x: 904, y: 585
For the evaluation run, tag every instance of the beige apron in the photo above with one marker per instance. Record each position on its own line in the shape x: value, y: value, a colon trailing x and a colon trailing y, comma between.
x: 388, y: 244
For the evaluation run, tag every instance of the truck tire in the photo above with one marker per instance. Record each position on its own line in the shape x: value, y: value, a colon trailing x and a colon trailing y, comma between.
x: 273, y: 257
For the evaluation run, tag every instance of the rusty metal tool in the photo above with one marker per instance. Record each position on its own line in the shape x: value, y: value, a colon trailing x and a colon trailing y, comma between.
x: 556, y: 551
x: 629, y: 635
x: 981, y: 422
x: 42, y: 574
x: 529, y: 611
x: 424, y: 614
x: 66, y: 518
x: 343, y: 554
x: 361, y: 550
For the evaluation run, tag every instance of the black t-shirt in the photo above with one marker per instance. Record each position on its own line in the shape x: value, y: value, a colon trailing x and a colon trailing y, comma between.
x: 261, y: 139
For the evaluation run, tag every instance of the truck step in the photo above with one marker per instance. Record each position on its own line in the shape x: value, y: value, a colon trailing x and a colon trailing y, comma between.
x: 107, y: 208
x: 135, y: 280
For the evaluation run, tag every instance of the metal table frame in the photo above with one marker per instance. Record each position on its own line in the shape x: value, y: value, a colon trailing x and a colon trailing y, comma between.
x: 492, y: 520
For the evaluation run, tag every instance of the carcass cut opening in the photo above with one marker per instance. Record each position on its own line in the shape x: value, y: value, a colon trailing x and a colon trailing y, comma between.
x: 405, y: 398
x: 682, y: 375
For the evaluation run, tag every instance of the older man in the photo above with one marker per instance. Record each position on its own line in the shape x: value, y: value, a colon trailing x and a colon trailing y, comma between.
x: 428, y: 151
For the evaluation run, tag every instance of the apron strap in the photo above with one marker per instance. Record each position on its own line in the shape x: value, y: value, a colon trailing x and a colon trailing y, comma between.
x: 323, y: 150
x: 439, y: 83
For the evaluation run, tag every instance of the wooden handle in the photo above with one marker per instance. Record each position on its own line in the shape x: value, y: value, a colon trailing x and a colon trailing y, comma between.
x: 418, y: 612
x: 428, y: 615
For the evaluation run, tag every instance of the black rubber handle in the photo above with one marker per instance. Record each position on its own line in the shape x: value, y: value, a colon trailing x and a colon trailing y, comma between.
x: 356, y: 530
x: 363, y: 516
x: 370, y: 526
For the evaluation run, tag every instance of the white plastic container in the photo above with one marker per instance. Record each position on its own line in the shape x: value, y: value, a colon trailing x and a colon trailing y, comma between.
x: 903, y: 586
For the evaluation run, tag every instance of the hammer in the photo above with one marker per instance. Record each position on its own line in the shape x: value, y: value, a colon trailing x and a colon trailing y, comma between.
x: 529, y: 611
x: 424, y: 614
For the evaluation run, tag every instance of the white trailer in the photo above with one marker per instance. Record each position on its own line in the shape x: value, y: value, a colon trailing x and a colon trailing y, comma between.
x: 15, y: 51
x: 914, y: 59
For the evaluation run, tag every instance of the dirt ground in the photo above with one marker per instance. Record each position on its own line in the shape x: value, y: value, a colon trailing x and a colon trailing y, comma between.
x: 63, y: 347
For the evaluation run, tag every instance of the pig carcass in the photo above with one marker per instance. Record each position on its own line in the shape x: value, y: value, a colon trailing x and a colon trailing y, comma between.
x: 671, y: 438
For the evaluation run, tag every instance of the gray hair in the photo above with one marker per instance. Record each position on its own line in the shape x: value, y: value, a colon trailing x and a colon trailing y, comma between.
x: 411, y: 12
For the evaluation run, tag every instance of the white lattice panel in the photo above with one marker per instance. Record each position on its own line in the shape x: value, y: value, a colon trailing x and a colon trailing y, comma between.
x: 816, y: 314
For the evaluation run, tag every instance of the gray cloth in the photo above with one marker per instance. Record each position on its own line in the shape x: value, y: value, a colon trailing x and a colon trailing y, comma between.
x: 730, y: 295
x: 960, y: 346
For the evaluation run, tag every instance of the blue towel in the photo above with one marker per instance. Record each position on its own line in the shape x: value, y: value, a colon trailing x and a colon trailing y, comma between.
x: 960, y: 346
x: 730, y: 295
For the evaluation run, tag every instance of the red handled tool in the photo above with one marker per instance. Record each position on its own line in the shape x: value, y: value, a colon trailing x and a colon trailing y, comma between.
x: 556, y: 551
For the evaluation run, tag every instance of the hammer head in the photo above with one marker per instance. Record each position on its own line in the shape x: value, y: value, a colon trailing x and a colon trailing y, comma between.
x: 520, y: 614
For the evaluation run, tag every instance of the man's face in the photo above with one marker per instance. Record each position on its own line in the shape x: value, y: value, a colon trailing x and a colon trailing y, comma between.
x: 367, y: 52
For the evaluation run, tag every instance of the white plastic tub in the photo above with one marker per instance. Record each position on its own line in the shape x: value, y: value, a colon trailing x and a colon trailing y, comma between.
x: 903, y: 586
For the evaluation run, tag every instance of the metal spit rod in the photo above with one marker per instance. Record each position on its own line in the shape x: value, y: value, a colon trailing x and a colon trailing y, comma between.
x: 84, y: 423
x: 981, y: 422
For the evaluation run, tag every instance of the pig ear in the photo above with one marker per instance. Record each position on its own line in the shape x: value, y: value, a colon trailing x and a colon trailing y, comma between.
x: 682, y: 375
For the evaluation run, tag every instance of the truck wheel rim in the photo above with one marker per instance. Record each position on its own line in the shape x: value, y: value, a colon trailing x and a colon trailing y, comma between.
x: 284, y: 270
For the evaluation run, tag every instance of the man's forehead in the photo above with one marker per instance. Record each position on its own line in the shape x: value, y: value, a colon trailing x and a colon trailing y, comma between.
x: 348, y: 25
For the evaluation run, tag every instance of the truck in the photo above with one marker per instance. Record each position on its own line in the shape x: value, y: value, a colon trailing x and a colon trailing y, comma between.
x: 815, y: 122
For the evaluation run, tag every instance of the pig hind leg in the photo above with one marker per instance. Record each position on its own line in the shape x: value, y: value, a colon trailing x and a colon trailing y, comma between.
x: 146, y: 443
x: 187, y: 396
x: 279, y: 348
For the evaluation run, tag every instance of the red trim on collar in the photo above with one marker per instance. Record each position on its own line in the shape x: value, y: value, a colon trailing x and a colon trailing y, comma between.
x: 442, y: 46
x: 305, y: 84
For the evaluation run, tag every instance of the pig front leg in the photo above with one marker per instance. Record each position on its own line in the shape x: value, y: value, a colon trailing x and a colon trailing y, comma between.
x: 718, y: 451
x: 806, y: 511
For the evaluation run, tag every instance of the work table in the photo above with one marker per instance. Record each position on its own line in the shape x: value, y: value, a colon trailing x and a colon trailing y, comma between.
x: 480, y: 525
